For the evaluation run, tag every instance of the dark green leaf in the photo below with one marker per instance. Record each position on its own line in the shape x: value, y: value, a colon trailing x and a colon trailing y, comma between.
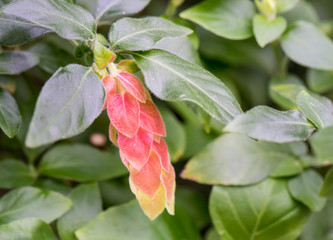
x: 320, y: 81
x: 26, y: 229
x: 226, y: 18
x: 86, y: 205
x: 176, y: 136
x: 235, y: 159
x: 10, y: 117
x: 321, y: 143
x: 174, y: 79
x: 51, y: 57
x: 14, y: 173
x: 306, y: 187
x: 143, y: 33
x: 288, y: 167
x: 68, y: 103
x: 127, y: 221
x: 15, y: 62
x: 285, y: 5
x: 308, y: 46
x: 16, y: 31
x: 66, y: 19
x: 54, y: 185
x: 327, y: 188
x: 266, y: 31
x: 32, y: 202
x: 263, y: 211
x: 314, y: 110
x: 80, y: 163
x: 268, y: 124
x: 319, y: 226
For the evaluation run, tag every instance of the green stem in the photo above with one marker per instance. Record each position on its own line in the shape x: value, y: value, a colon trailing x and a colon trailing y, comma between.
x: 282, y: 61
x: 172, y: 7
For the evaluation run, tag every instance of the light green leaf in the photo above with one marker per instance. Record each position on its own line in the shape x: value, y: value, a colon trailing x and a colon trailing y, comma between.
x: 235, y: 159
x: 314, y: 110
x: 285, y: 5
x: 66, y: 19
x: 176, y: 135
x: 321, y: 143
x: 263, y: 211
x: 15, y: 62
x: 32, y: 202
x: 288, y: 167
x: 265, y: 123
x: 63, y: 109
x: 26, y: 229
x: 230, y: 19
x: 303, y: 11
x: 16, y: 31
x: 14, y: 173
x: 174, y: 79
x: 127, y: 221
x: 284, y: 91
x: 107, y: 11
x: 143, y: 33
x: 10, y: 117
x: 80, y: 163
x: 266, y: 31
x: 327, y: 188
x: 308, y: 46
x: 320, y: 81
x: 86, y: 205
x: 306, y: 187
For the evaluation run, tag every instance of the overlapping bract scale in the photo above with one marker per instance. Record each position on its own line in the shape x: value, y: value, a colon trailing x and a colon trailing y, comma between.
x: 137, y: 128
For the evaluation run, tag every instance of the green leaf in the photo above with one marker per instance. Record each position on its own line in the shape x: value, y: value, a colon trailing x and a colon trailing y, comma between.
x: 14, y: 173
x: 17, y: 31
x: 86, y: 205
x: 66, y: 19
x: 308, y: 46
x: 306, y: 187
x: 174, y: 79
x: 230, y: 19
x: 176, y: 135
x: 284, y: 90
x: 54, y: 185
x: 15, y: 62
x: 111, y: 10
x: 319, y: 226
x: 263, y: 211
x: 143, y: 33
x: 10, y: 117
x: 180, y: 46
x: 327, y: 188
x: 51, y: 57
x: 27, y: 229
x: 321, y: 143
x: 32, y: 202
x: 303, y: 11
x: 127, y: 221
x: 80, y: 163
x: 265, y: 123
x: 285, y: 5
x: 68, y: 103
x: 288, y: 167
x: 227, y: 163
x: 314, y: 110
x: 8, y: 82
x: 102, y: 55
x: 320, y: 81
x: 266, y: 31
